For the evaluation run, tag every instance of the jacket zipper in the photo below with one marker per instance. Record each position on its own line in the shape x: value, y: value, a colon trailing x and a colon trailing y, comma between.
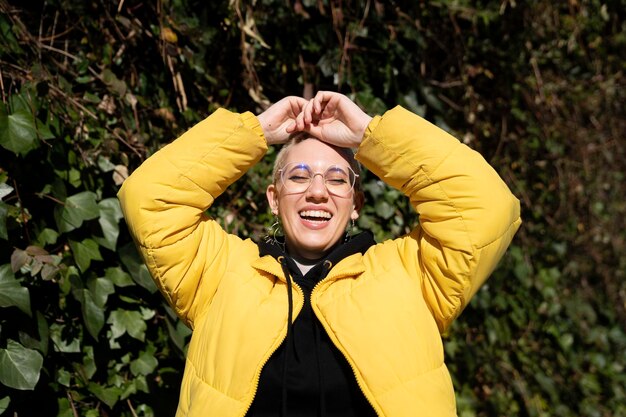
x: 343, y: 352
x: 258, y: 376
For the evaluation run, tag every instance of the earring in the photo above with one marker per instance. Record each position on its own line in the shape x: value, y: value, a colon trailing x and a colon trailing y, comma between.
x: 350, y: 231
x: 273, y: 231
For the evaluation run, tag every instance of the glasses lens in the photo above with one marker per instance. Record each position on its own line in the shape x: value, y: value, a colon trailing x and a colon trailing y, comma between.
x: 339, y: 180
x: 296, y: 178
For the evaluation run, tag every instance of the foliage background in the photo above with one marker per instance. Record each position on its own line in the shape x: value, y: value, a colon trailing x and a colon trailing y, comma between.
x: 91, y: 88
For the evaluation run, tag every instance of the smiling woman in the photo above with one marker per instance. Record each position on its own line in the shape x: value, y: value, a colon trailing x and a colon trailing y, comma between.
x: 314, y: 197
x: 319, y: 323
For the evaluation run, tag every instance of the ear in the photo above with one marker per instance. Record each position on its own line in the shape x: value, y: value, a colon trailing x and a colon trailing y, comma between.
x: 359, y: 200
x: 272, y: 198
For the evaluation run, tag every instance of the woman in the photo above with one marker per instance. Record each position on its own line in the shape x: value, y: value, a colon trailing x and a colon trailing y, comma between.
x: 364, y: 319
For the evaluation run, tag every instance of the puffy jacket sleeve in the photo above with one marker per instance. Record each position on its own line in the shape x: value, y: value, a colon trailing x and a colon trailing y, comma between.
x: 467, y: 215
x: 165, y: 199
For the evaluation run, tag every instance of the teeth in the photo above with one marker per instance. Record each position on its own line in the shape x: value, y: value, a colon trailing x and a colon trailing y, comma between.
x: 316, y: 213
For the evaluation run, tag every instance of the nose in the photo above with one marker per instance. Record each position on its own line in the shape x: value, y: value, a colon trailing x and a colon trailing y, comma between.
x: 317, y: 189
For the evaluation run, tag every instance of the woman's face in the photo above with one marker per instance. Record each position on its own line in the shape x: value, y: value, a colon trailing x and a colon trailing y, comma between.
x: 315, y: 219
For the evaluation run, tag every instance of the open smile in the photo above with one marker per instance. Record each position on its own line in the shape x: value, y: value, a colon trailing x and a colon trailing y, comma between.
x: 315, y: 216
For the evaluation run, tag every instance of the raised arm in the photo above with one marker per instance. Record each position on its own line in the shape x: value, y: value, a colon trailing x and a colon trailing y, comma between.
x: 467, y: 215
x: 165, y: 199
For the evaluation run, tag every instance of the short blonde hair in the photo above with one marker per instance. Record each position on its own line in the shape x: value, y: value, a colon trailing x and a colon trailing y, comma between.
x: 347, y: 153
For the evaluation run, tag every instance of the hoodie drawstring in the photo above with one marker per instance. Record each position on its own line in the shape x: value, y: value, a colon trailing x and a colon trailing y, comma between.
x: 320, y: 375
x: 288, y: 340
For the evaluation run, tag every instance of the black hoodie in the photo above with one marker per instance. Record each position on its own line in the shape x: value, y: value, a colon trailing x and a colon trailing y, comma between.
x: 307, y: 376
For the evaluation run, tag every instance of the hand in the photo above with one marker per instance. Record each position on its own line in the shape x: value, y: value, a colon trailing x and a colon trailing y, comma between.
x: 279, y: 119
x: 333, y: 118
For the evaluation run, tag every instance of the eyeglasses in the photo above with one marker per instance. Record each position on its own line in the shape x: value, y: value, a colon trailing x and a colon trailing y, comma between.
x: 297, y: 177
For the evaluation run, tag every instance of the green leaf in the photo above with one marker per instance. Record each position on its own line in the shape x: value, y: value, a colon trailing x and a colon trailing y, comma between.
x: 93, y: 315
x: 85, y: 252
x: 118, y: 277
x: 5, y: 190
x: 60, y: 340
x: 105, y: 164
x: 64, y: 378
x: 77, y: 208
x: 88, y: 366
x: 178, y: 333
x: 11, y: 292
x: 145, y: 364
x: 65, y: 408
x: 40, y: 342
x: 47, y: 237
x: 384, y: 209
x: 19, y: 366
x: 4, y: 404
x: 138, y: 270
x: 18, y: 132
x: 110, y: 215
x: 109, y: 395
x: 100, y: 289
x: 115, y: 84
x: 125, y: 321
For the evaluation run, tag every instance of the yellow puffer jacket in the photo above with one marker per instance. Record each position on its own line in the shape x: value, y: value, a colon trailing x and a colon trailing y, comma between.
x: 384, y: 310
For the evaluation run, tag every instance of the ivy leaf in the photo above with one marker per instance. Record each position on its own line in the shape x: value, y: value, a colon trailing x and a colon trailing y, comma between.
x: 178, y: 333
x: 125, y: 321
x: 18, y: 132
x: 47, y: 237
x: 93, y: 315
x: 19, y: 366
x: 5, y: 190
x: 110, y: 215
x: 109, y: 395
x: 100, y: 289
x: 4, y: 404
x: 138, y: 270
x: 11, y: 292
x: 384, y: 209
x: 60, y: 340
x: 19, y: 258
x: 145, y: 364
x: 88, y: 366
x: 43, y: 332
x: 77, y: 208
x: 85, y: 252
x: 118, y: 277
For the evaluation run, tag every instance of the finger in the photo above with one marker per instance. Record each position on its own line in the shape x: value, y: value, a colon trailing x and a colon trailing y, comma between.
x: 308, y: 111
x: 300, y: 121
x: 297, y: 104
x: 291, y: 127
x: 330, y: 109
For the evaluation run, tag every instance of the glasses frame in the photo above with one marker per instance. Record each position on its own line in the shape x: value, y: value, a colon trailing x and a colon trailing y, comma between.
x: 281, y: 174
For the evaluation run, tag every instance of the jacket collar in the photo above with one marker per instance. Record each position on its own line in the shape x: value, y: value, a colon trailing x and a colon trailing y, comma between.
x: 345, y: 259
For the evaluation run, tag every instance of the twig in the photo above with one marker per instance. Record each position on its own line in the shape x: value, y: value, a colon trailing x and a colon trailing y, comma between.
x: 73, y: 101
x: 43, y: 8
x: 132, y: 410
x: 533, y: 62
x: 4, y: 99
x: 56, y: 200
x: 54, y: 26
x: 60, y: 51
x: 51, y: 38
x: 69, y: 397
x: 121, y: 139
x: 450, y: 102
